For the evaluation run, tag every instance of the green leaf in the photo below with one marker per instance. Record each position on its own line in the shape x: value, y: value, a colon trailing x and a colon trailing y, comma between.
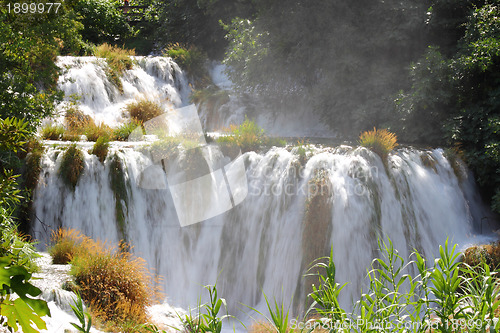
x: 19, y: 312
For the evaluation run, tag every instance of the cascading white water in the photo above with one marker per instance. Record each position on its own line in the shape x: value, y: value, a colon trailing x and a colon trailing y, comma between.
x: 157, y: 79
x: 261, y: 244
x: 160, y: 79
x: 296, y: 207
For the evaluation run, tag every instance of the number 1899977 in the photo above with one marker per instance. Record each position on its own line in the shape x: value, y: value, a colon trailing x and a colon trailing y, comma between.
x: 33, y: 8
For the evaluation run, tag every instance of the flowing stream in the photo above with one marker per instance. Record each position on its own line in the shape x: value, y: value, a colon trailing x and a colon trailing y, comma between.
x: 299, y: 202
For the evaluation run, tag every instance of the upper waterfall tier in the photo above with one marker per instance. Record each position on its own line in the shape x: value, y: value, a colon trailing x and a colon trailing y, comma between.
x: 161, y: 80
x: 157, y: 79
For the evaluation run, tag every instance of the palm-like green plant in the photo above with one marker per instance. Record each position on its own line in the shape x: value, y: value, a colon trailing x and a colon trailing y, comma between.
x: 78, y: 310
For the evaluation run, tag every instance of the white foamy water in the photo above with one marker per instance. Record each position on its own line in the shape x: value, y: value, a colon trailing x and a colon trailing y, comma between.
x: 261, y: 244
x: 157, y: 79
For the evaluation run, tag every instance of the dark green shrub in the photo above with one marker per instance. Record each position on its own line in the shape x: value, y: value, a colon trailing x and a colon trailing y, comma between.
x: 190, y: 59
x: 100, y: 148
x: 72, y: 165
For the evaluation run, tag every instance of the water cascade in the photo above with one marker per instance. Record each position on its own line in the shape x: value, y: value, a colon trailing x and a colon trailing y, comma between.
x: 157, y: 79
x: 300, y: 201
x: 268, y: 240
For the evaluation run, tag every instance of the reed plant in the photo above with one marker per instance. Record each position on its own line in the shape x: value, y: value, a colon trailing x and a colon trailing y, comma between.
x: 410, y: 296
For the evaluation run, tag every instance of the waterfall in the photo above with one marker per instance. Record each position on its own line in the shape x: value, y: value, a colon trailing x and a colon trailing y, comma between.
x: 300, y: 201
x: 157, y: 79
x: 296, y: 208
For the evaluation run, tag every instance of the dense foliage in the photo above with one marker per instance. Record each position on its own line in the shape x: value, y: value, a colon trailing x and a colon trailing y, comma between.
x: 458, y: 87
x: 196, y: 22
x: 344, y: 60
x: 19, y: 307
x: 103, y: 22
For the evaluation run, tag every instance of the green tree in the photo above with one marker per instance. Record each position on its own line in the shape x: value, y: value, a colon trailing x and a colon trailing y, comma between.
x: 29, y: 44
x: 196, y: 22
x: 458, y: 87
x: 103, y: 22
x: 16, y: 255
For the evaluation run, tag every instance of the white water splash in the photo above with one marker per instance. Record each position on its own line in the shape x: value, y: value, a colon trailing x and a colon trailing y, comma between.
x: 157, y: 79
x: 259, y: 245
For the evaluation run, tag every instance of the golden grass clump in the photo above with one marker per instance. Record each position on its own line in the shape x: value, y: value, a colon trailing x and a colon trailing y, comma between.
x: 379, y: 141
x: 143, y: 110
x: 75, y: 119
x: 116, y: 285
x: 67, y: 243
x: 117, y: 58
x: 79, y: 123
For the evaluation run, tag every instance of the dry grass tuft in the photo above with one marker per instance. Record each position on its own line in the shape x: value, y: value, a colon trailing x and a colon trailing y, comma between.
x: 115, y: 285
x: 143, y: 110
x: 379, y: 141
x: 118, y: 61
x: 75, y: 120
x: 67, y: 244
